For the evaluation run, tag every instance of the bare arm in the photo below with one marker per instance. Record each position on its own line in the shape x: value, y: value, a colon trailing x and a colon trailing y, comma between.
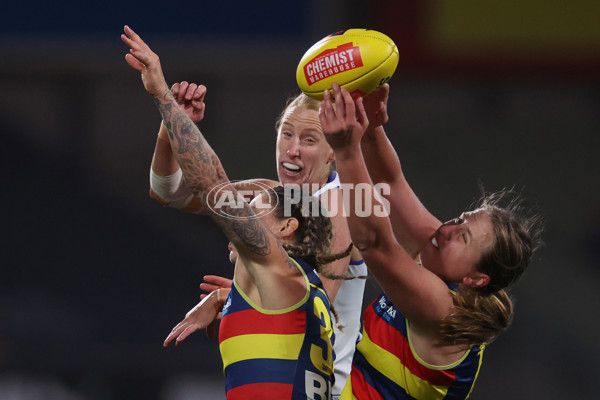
x: 203, y: 171
x: 412, y: 223
x: 415, y: 291
x: 166, y: 186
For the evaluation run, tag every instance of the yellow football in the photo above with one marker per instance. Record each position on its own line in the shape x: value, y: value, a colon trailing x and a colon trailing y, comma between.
x: 360, y: 60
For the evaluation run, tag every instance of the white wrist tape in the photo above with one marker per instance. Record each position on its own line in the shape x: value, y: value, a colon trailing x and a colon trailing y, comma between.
x: 171, y: 188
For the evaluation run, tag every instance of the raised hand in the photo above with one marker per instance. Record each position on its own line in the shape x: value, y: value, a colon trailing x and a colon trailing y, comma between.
x: 345, y: 124
x: 143, y: 59
x: 190, y: 96
x: 376, y: 107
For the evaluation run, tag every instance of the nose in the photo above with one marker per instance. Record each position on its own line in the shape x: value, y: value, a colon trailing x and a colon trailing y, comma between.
x: 293, y: 150
x: 450, y: 231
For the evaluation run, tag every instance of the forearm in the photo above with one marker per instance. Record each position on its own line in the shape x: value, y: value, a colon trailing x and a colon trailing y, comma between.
x: 199, y: 163
x: 203, y: 172
x: 353, y: 172
x: 380, y: 157
x: 164, y: 162
x: 167, y: 185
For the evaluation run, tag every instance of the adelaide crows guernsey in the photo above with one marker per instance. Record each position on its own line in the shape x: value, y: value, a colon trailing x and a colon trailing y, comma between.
x: 385, y: 366
x: 278, y: 354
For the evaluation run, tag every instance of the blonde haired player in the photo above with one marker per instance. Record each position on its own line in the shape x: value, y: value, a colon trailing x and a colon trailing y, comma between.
x: 303, y: 156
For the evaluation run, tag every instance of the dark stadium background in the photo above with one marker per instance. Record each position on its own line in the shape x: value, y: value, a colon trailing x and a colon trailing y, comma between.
x: 95, y: 274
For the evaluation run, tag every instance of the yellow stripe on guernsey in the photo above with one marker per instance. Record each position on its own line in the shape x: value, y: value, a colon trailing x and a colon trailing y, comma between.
x: 250, y: 346
x: 246, y: 347
x: 391, y: 366
x: 480, y: 354
x: 347, y: 391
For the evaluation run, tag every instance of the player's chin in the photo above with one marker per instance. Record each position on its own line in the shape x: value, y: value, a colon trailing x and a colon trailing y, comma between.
x: 288, y: 177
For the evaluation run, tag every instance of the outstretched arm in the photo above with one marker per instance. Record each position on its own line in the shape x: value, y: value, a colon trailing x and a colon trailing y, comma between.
x: 200, y: 165
x: 412, y: 223
x: 415, y: 291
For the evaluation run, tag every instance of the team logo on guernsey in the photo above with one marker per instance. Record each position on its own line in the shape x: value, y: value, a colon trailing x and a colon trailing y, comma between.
x: 226, y: 306
x: 331, y: 62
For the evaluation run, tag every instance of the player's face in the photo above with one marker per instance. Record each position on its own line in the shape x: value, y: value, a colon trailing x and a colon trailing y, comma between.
x: 303, y: 154
x: 458, y: 245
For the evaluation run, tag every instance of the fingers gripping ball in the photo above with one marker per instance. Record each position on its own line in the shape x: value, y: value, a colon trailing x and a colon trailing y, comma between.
x: 359, y: 60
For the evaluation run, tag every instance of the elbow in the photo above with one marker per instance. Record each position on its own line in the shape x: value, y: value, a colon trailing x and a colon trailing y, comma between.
x: 372, y: 244
x: 159, y: 199
x: 365, y: 242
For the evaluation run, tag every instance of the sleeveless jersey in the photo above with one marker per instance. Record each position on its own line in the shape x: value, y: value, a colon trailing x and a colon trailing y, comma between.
x: 385, y: 366
x: 278, y: 354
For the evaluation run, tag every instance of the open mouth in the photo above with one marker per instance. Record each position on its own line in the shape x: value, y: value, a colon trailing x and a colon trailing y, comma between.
x: 435, y: 242
x: 291, y: 168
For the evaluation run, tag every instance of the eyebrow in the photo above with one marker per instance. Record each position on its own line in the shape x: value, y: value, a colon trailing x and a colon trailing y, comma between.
x: 311, y: 131
x: 464, y: 216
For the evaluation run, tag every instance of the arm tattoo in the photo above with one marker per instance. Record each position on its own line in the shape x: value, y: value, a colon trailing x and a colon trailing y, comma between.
x: 203, y: 171
x: 253, y: 234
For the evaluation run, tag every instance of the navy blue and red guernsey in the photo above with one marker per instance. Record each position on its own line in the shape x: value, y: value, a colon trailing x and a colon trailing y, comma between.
x: 283, y: 354
x: 385, y: 366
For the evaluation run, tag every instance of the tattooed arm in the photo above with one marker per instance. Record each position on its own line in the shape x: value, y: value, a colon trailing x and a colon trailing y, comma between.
x: 257, y: 245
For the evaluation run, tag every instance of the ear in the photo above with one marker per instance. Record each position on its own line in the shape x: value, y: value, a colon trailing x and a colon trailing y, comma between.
x: 331, y: 157
x: 288, y: 227
x: 476, y: 280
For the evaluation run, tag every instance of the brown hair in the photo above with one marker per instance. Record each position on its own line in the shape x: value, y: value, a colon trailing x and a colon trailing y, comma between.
x: 517, y: 234
x: 313, y: 235
x: 481, y: 314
